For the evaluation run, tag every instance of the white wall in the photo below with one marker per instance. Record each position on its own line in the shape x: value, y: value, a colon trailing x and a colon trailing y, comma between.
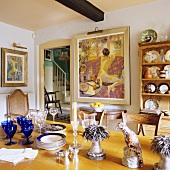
x: 139, y: 18
x: 10, y: 34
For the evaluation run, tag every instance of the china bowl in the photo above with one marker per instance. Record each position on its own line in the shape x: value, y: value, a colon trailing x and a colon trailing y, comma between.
x: 97, y: 108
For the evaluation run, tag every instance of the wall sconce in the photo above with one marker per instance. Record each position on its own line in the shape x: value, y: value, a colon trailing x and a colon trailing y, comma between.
x: 15, y: 45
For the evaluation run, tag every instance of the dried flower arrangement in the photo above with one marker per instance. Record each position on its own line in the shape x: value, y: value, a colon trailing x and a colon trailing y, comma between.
x: 95, y: 133
x: 161, y: 145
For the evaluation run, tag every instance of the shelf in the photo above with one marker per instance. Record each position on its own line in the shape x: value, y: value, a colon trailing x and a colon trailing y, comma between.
x: 155, y: 94
x: 155, y: 43
x: 160, y: 63
x: 163, y: 79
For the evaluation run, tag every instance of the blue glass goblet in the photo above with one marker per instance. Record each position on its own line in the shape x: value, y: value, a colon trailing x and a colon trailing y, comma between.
x: 10, y: 130
x: 27, y: 130
x: 20, y: 120
x: 4, y: 123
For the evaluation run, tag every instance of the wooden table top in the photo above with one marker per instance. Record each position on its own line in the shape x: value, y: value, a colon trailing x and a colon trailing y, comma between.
x: 46, y: 160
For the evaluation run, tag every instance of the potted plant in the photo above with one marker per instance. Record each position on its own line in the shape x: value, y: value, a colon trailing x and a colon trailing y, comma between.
x: 161, y: 145
x: 96, y: 134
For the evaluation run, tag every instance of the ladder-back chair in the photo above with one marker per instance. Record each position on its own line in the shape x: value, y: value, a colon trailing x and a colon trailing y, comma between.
x: 142, y: 118
x: 18, y: 104
x: 51, y: 98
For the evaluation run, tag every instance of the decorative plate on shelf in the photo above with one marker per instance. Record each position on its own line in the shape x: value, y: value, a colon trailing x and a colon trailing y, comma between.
x: 155, y: 71
x: 148, y: 36
x: 167, y: 68
x: 151, y: 104
x: 151, y: 56
x: 163, y: 88
x: 167, y: 55
x: 150, y: 88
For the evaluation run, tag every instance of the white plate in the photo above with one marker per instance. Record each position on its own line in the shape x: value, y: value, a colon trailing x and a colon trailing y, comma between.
x: 163, y: 88
x: 49, y: 147
x: 151, y: 56
x: 151, y: 88
x: 167, y: 55
x: 51, y: 138
x: 167, y: 68
x: 151, y: 104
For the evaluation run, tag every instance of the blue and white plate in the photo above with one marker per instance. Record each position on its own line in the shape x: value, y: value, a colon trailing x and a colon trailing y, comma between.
x: 51, y: 141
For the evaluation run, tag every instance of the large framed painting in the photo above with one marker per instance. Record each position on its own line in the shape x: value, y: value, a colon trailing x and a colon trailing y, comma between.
x: 14, y: 68
x: 101, y: 67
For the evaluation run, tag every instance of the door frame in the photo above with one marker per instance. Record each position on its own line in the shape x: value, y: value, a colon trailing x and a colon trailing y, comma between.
x: 40, y: 85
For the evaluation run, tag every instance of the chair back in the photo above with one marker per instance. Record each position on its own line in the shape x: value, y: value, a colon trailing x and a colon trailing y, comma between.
x: 50, y: 98
x: 142, y: 118
x: 18, y: 104
x: 84, y: 116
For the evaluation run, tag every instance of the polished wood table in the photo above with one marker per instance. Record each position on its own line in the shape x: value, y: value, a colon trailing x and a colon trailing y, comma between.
x: 46, y: 160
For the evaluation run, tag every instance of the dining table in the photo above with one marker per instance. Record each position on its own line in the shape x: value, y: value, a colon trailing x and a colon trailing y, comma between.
x: 47, y: 159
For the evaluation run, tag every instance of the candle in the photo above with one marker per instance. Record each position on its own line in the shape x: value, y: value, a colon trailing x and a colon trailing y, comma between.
x: 75, y: 112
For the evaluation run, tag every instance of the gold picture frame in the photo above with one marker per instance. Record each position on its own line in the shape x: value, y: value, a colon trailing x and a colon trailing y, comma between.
x: 101, y: 66
x: 14, y: 70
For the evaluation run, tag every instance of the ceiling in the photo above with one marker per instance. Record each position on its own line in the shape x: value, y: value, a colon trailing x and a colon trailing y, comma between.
x: 38, y: 14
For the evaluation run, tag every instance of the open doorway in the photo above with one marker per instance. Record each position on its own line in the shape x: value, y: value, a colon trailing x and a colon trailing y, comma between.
x: 57, y: 44
x: 57, y: 79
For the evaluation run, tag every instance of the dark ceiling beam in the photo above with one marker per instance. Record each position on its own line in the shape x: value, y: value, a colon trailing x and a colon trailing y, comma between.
x: 84, y: 8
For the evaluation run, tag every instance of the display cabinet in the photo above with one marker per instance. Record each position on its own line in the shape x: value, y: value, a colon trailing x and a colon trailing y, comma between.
x: 155, y: 77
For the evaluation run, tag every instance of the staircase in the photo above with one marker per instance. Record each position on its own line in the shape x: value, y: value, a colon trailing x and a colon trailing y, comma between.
x: 61, y: 83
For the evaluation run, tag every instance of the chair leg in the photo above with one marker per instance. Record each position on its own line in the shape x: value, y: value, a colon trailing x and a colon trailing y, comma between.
x: 141, y: 129
x: 60, y: 107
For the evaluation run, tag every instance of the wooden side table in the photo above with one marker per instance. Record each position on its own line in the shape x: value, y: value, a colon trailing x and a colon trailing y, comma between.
x: 111, y: 114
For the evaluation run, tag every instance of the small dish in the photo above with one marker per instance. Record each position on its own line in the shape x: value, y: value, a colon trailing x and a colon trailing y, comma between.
x: 148, y: 36
x: 151, y: 56
x: 55, y: 128
x: 163, y: 88
x: 167, y: 55
x: 151, y: 104
x: 150, y: 88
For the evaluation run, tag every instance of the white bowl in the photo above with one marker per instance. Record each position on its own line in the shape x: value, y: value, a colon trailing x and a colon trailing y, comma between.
x: 98, y: 109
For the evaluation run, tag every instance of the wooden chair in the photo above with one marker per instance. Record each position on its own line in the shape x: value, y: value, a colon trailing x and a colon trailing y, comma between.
x: 98, y: 117
x: 51, y: 98
x: 142, y: 118
x: 18, y: 104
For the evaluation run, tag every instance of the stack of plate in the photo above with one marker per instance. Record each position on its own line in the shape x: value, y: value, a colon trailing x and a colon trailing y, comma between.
x: 51, y: 141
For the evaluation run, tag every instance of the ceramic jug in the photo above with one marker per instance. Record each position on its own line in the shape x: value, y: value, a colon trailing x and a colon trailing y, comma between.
x: 148, y: 73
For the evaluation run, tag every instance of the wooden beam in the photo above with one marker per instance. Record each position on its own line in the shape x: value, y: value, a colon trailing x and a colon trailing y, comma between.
x: 84, y: 8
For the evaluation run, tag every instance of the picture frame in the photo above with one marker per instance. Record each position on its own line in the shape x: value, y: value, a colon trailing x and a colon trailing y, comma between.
x: 14, y: 69
x: 101, y: 66
x: 47, y: 55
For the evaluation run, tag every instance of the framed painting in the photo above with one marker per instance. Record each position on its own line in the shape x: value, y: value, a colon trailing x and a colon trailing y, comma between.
x: 47, y: 55
x: 14, y: 68
x: 101, y: 67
